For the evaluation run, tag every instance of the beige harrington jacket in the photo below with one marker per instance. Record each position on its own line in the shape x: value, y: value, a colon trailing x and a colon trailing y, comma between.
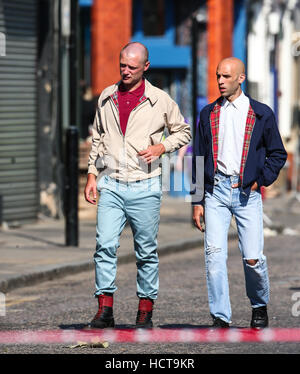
x: 115, y: 154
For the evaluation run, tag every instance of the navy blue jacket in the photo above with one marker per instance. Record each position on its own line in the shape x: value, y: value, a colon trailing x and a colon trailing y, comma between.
x: 266, y: 155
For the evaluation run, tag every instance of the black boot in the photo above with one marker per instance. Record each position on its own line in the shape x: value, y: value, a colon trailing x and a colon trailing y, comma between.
x: 219, y: 323
x: 104, y: 317
x: 144, y: 314
x: 259, y: 318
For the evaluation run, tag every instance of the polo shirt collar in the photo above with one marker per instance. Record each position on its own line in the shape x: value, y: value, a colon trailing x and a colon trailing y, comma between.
x: 149, y: 91
x: 137, y: 92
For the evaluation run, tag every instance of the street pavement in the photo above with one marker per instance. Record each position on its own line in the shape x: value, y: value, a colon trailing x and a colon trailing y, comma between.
x: 37, y: 252
x: 66, y: 305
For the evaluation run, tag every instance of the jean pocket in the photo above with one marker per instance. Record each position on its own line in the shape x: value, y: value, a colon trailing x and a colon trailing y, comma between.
x: 255, y: 192
x: 102, y: 182
x: 218, y: 178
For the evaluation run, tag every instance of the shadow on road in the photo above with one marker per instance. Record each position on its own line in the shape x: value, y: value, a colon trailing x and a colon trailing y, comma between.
x: 183, y: 326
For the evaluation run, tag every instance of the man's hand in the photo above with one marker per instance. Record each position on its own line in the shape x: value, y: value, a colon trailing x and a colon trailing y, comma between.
x: 253, y: 187
x: 91, y: 186
x: 198, y: 213
x: 152, y: 153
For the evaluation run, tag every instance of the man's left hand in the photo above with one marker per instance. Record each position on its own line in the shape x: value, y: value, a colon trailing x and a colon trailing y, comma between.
x: 152, y: 153
x: 253, y: 187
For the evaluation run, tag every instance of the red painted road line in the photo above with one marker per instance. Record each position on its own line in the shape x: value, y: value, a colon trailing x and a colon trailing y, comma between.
x: 155, y: 335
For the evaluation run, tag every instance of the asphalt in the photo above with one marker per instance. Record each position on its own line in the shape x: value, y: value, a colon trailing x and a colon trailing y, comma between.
x: 36, y: 252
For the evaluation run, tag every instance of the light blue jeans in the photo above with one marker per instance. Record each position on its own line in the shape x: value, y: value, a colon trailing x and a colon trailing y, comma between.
x: 219, y: 208
x: 139, y: 204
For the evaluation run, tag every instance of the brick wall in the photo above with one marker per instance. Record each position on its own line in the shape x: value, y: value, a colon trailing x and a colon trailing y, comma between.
x: 220, y: 29
x: 110, y: 31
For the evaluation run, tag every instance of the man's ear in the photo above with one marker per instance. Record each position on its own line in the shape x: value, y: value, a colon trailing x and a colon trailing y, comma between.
x: 147, y: 65
x: 242, y: 77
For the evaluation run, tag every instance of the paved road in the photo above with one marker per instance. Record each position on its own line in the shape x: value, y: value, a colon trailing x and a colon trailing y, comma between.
x: 68, y: 303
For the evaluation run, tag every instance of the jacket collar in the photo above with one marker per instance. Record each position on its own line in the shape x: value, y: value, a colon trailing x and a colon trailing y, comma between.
x: 149, y: 91
x: 256, y: 106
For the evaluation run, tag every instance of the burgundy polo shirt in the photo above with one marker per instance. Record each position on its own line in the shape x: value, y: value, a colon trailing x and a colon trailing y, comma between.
x: 127, y: 102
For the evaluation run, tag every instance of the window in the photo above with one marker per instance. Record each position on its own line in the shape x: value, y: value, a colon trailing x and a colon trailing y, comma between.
x: 154, y: 26
x: 153, y: 17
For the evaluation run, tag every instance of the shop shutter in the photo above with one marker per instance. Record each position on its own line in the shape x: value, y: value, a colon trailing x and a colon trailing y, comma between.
x: 18, y: 112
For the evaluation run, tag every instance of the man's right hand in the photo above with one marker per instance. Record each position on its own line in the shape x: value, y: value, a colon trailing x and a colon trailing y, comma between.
x: 91, y: 187
x: 198, y: 213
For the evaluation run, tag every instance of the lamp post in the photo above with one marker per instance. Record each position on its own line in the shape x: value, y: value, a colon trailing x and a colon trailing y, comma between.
x: 69, y: 21
x: 194, y: 41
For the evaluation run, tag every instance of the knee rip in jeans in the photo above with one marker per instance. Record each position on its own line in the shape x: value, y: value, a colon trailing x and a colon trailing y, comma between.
x: 211, y: 249
x: 252, y: 262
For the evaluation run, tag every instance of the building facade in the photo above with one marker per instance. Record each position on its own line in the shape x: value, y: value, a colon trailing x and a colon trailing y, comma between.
x: 273, y: 71
x: 47, y: 84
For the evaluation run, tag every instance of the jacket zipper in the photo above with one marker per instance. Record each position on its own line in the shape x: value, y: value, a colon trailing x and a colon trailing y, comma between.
x: 119, y: 124
x: 118, y: 116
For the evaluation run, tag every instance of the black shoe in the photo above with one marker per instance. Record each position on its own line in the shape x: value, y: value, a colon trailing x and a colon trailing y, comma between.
x: 219, y: 323
x: 104, y: 317
x: 259, y: 318
x: 144, y: 314
x: 105, y: 320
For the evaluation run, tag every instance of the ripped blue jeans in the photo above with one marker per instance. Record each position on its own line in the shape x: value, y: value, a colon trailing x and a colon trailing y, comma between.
x: 220, y: 206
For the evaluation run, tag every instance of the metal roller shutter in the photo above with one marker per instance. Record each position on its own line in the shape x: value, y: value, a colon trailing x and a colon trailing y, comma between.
x: 18, y: 111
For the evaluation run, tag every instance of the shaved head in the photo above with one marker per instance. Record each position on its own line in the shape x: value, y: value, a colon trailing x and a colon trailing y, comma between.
x: 133, y: 64
x: 236, y: 64
x: 136, y: 48
x: 230, y: 76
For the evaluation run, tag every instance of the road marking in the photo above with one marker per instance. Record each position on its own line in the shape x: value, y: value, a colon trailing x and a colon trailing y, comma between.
x: 151, y: 336
x: 20, y: 301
